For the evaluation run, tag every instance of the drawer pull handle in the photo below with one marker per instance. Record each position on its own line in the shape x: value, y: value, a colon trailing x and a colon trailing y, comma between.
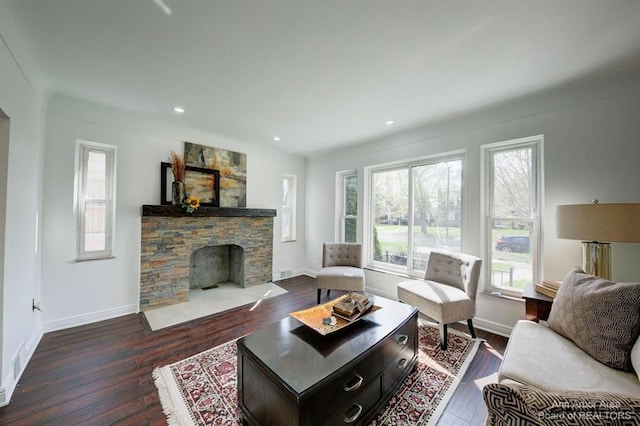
x: 353, y: 418
x: 403, y: 339
x: 403, y: 363
x: 358, y: 382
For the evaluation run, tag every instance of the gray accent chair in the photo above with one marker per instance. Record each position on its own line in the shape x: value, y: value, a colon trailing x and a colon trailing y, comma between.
x: 448, y: 292
x: 341, y: 268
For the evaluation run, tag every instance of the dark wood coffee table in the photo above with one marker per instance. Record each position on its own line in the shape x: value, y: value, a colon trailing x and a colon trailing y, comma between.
x: 288, y: 374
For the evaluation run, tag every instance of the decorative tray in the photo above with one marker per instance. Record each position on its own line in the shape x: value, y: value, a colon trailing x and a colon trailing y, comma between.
x: 313, y: 317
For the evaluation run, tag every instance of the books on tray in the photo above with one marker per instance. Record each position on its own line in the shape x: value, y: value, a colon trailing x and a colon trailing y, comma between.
x: 548, y: 288
x: 352, y: 307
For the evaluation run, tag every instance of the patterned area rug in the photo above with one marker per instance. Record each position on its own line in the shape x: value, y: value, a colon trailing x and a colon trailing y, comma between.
x: 201, y: 390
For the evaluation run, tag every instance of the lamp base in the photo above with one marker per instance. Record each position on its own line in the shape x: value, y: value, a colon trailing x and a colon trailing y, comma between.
x: 596, y: 259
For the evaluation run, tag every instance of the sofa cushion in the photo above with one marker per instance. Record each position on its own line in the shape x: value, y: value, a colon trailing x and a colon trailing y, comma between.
x: 538, y: 356
x: 600, y: 316
x: 527, y: 405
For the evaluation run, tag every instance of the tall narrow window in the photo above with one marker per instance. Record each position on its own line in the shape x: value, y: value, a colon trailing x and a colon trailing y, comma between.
x: 95, y: 199
x: 289, y: 184
x: 415, y: 207
x: 347, y: 206
x: 513, y: 200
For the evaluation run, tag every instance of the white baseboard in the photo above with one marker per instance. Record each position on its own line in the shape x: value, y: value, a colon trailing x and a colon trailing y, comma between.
x: 11, y: 380
x: 89, y: 318
x: 295, y: 273
x: 492, y: 327
x: 307, y: 272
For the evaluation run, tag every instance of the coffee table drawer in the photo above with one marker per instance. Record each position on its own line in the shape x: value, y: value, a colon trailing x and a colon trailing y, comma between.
x: 399, y: 366
x: 402, y: 339
x: 352, y: 412
x: 347, y: 386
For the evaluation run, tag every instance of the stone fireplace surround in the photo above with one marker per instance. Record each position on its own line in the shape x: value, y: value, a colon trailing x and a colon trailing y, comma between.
x: 169, y: 236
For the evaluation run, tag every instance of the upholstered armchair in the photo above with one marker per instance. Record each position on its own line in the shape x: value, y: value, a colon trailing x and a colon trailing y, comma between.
x: 448, y: 292
x: 341, y: 268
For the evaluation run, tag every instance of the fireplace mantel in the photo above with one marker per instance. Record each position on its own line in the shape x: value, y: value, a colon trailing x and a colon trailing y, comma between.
x: 206, y: 211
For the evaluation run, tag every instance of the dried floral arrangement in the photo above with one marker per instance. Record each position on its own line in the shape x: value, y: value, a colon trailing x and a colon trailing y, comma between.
x: 177, y: 166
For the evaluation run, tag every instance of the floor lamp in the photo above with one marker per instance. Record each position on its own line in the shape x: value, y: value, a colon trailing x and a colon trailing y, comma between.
x: 597, y: 225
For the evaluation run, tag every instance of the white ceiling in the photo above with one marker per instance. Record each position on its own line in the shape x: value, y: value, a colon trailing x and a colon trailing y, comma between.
x: 320, y: 73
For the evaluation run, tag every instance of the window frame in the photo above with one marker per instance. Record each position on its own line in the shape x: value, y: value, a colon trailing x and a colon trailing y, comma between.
x: 291, y: 206
x: 341, y: 205
x: 83, y: 148
x: 536, y: 143
x: 369, y: 221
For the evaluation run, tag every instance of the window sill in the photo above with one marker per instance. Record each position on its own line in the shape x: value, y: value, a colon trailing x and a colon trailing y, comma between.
x: 87, y: 259
x: 503, y: 296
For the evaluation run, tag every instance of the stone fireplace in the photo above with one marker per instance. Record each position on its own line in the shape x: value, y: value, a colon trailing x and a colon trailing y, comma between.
x: 181, y: 250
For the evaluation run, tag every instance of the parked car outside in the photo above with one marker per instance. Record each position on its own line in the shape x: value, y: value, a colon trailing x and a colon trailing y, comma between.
x: 515, y: 243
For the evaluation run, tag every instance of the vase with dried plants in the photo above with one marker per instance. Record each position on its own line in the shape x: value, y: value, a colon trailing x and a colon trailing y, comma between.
x: 177, y: 186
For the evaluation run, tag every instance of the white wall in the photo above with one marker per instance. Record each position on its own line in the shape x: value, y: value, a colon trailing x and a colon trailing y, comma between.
x: 81, y: 292
x: 591, y: 150
x: 21, y: 157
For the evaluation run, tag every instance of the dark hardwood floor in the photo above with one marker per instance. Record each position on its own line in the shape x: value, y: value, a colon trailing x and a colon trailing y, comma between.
x: 101, y: 373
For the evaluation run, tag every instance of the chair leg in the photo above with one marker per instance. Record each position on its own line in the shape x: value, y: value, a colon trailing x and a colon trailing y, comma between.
x: 328, y: 291
x: 471, y: 330
x: 319, y: 292
x: 443, y: 337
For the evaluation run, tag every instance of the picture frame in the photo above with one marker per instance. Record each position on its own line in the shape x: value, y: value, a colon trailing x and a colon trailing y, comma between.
x: 198, y: 182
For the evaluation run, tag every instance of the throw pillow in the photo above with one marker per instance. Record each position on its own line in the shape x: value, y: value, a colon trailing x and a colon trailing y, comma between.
x: 599, y: 316
x: 513, y: 404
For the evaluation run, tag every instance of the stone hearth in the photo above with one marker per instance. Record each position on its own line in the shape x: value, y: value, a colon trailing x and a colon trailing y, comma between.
x: 169, y: 237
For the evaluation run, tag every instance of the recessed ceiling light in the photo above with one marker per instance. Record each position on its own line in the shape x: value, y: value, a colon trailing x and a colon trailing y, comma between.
x: 178, y: 109
x: 389, y: 122
x: 276, y: 138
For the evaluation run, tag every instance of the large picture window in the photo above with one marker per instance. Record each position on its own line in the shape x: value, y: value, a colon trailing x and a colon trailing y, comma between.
x: 95, y: 199
x: 415, y: 207
x: 512, y: 199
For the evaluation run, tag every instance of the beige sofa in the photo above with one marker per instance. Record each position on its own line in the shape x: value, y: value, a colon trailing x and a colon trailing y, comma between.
x: 538, y: 356
x: 547, y: 378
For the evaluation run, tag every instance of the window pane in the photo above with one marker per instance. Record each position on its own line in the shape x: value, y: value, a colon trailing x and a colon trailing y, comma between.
x: 350, y: 224
x: 95, y: 225
x: 513, y: 188
x: 390, y: 216
x: 351, y: 195
x: 437, y: 209
x: 96, y: 175
x: 512, y: 262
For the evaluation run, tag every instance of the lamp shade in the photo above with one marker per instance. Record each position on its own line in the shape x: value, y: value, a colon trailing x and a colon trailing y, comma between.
x: 599, y: 222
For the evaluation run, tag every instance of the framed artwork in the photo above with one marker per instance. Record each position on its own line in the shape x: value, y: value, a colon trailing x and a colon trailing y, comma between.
x: 198, y: 182
x: 232, y: 166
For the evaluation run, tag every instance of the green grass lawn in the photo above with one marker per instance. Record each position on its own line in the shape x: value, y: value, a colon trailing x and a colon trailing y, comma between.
x: 393, y: 241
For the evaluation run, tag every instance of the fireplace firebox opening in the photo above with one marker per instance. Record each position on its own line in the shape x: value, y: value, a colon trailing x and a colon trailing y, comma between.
x: 211, y: 265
